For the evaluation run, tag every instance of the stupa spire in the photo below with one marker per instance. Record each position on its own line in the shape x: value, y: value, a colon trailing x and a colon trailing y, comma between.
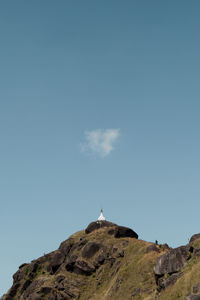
x: 101, y: 217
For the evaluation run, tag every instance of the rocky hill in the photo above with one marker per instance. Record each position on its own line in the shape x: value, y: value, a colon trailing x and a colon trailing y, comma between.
x: 107, y: 261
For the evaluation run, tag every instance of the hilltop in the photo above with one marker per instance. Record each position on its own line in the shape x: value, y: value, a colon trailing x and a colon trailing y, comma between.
x: 107, y: 261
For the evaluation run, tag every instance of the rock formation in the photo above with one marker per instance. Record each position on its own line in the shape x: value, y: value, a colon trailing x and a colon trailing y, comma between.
x: 107, y: 261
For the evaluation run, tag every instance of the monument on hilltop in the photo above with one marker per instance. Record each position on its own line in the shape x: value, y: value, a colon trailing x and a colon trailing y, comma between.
x: 101, y: 217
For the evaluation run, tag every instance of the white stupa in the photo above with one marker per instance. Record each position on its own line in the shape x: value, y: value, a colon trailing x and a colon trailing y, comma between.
x: 101, y: 217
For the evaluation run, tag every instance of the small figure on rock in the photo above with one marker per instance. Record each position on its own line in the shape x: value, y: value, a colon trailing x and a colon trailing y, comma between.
x: 156, y: 242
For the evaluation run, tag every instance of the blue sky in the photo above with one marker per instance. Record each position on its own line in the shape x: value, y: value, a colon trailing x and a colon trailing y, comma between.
x: 69, y: 69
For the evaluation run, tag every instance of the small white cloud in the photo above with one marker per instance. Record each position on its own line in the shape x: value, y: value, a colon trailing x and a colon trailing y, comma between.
x: 100, y: 141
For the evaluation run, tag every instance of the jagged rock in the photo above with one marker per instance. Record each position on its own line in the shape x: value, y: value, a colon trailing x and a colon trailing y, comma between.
x: 194, y: 237
x: 172, y: 261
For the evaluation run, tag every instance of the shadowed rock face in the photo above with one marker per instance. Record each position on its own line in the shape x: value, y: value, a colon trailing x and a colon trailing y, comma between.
x: 90, y: 249
x: 117, y: 231
x: 97, y: 225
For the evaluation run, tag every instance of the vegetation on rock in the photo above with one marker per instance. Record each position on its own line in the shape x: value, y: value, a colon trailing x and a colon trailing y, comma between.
x: 109, y: 262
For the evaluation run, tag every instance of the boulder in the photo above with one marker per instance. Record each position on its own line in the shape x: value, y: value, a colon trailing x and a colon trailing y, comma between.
x: 83, y: 268
x: 97, y: 225
x: 172, y: 261
x: 30, y: 290
x: 121, y: 231
x: 79, y: 266
x: 165, y: 282
x: 71, y: 262
x: 56, y: 260
x: 90, y: 249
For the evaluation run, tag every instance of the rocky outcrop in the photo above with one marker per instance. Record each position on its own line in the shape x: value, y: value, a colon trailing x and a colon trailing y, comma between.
x: 60, y: 274
x: 172, y: 261
x: 109, y: 259
x: 91, y: 249
x: 121, y: 231
x: 169, y: 266
x: 117, y: 231
x: 97, y: 225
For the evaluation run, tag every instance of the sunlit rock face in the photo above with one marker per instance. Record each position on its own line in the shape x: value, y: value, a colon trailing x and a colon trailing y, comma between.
x: 108, y: 259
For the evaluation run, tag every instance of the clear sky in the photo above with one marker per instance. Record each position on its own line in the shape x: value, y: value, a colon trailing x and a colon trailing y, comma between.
x: 99, y: 107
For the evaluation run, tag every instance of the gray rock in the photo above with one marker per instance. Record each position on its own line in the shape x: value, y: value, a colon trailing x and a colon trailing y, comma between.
x: 33, y: 287
x: 90, y: 249
x: 165, y: 282
x: 66, y: 246
x: 56, y: 260
x: 83, y: 268
x: 172, y: 261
